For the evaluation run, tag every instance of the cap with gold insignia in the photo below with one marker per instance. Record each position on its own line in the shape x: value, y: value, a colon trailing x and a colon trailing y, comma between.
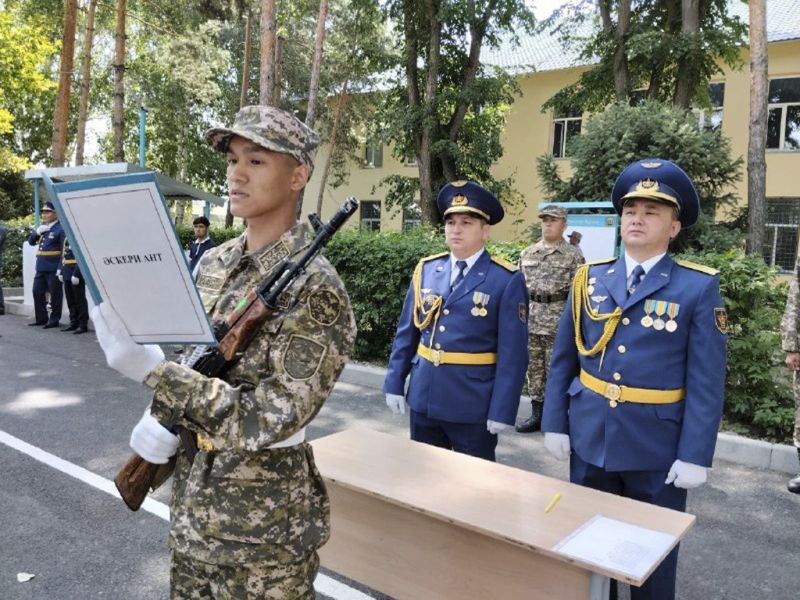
x: 270, y: 128
x: 48, y: 206
x: 469, y: 197
x: 660, y: 180
x: 551, y: 210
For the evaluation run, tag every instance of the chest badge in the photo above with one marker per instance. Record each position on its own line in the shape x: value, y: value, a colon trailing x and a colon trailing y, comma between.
x: 480, y: 300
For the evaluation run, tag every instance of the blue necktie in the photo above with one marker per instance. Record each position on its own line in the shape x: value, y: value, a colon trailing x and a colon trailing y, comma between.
x: 462, y: 266
x: 635, y: 278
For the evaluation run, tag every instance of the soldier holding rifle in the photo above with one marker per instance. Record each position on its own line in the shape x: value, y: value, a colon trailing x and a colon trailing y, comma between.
x: 249, y: 513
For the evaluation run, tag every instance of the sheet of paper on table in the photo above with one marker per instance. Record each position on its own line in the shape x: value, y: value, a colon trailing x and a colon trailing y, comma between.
x: 616, y: 545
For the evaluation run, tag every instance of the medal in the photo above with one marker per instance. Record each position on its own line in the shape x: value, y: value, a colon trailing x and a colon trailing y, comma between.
x: 658, y: 323
x: 483, y: 312
x: 647, y: 320
x: 672, y: 311
x: 480, y: 300
x: 475, y: 311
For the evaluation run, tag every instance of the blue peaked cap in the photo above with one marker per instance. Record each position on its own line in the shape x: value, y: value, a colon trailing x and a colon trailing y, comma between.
x: 660, y: 180
x: 469, y: 197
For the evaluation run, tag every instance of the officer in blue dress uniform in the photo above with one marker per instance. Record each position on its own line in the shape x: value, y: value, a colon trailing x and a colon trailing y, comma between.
x: 49, y: 237
x: 636, y: 385
x: 69, y: 273
x: 462, y: 335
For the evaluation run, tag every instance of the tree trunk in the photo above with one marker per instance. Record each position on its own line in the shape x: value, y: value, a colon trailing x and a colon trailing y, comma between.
x: 756, y: 148
x: 266, y: 91
x: 425, y: 167
x: 83, y: 105
x: 333, y: 143
x: 687, y: 75
x: 276, y: 91
x: 61, y: 116
x: 118, y: 119
x: 621, y: 76
x: 316, y: 65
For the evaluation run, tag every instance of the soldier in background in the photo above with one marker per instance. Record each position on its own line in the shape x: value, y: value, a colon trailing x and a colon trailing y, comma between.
x: 49, y: 237
x: 548, y: 266
x: 201, y: 244
x: 248, y: 516
x: 74, y: 290
x: 790, y: 330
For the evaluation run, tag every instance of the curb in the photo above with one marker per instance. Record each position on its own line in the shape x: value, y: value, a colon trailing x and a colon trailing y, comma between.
x: 730, y: 447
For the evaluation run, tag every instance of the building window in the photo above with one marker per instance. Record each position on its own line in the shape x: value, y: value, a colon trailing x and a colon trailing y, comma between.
x: 566, y: 125
x: 783, y: 122
x: 781, y: 232
x: 370, y: 215
x: 412, y: 218
x: 710, y: 119
x: 373, y: 154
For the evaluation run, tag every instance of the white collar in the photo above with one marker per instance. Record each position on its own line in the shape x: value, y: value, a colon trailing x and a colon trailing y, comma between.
x: 196, y: 241
x: 630, y: 264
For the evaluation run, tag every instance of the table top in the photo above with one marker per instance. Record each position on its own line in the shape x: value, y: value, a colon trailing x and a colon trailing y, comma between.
x: 496, y: 500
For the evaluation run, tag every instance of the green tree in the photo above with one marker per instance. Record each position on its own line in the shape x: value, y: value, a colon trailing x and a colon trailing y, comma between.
x: 445, y: 109
x: 622, y: 134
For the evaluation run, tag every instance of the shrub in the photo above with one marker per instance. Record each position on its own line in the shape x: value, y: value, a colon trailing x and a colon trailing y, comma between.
x: 17, y: 232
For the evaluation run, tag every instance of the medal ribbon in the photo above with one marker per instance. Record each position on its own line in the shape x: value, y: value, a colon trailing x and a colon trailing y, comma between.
x: 661, y: 306
x: 672, y: 310
x: 649, y: 305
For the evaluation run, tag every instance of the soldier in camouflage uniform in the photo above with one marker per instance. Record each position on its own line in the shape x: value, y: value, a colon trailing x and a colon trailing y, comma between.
x: 790, y: 329
x: 248, y: 516
x: 548, y: 266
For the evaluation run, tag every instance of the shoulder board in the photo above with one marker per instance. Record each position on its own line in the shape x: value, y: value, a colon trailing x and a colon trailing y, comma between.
x: 603, y: 261
x: 697, y: 267
x: 505, y: 264
x: 432, y: 256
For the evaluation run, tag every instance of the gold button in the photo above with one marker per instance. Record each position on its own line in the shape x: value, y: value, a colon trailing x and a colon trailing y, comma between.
x: 621, y: 349
x: 446, y: 311
x: 617, y: 376
x: 626, y: 321
x: 438, y: 346
x: 441, y: 327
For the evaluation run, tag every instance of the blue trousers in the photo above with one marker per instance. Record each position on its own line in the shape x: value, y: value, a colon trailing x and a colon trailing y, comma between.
x: 467, y: 438
x: 46, y: 281
x: 645, y: 486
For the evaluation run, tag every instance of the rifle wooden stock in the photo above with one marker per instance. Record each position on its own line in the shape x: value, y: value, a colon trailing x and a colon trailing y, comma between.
x: 134, y: 479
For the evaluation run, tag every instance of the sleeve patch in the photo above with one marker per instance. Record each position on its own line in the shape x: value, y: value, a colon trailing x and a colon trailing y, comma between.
x: 721, y: 319
x: 523, y: 312
x: 303, y: 357
x: 210, y: 282
x: 324, y: 307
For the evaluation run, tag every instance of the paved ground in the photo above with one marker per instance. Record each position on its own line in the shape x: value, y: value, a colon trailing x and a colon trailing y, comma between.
x: 58, y: 395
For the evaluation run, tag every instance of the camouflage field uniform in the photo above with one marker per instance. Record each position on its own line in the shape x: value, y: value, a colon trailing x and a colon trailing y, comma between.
x: 790, y: 330
x: 548, y: 273
x: 247, y: 519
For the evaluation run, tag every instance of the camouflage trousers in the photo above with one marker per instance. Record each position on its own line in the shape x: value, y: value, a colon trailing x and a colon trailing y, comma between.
x: 194, y: 580
x: 796, y: 380
x: 540, y: 350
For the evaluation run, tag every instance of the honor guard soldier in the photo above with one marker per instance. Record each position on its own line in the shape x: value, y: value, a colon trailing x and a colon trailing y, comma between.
x: 74, y: 290
x: 248, y: 515
x: 49, y: 237
x: 790, y: 333
x: 462, y: 333
x: 635, y: 392
x: 548, y: 266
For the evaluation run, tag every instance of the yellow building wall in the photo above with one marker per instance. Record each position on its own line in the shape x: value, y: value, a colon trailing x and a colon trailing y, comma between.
x: 529, y: 132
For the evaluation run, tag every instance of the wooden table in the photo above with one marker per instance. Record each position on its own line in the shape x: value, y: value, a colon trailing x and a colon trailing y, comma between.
x: 415, y: 521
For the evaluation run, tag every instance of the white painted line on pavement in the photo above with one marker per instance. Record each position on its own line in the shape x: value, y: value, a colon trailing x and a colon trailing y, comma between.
x: 323, y: 584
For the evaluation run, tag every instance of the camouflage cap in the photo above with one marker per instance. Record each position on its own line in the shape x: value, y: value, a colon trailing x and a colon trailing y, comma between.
x: 551, y: 210
x: 270, y: 128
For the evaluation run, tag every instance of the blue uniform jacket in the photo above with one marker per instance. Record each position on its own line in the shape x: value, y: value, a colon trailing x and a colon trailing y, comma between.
x: 632, y: 436
x: 196, y: 252
x: 68, y: 265
x: 465, y: 393
x: 48, y: 256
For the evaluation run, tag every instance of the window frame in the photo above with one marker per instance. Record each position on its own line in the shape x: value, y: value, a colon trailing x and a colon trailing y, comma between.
x: 564, y: 122
x: 783, y: 106
x: 368, y: 223
x: 373, y: 149
x: 773, y: 226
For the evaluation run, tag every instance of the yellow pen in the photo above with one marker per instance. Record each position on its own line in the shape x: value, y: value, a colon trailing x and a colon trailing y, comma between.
x: 553, y: 502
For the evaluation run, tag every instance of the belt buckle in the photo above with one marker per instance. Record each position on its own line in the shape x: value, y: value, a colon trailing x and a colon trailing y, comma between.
x: 436, y: 358
x: 613, y: 393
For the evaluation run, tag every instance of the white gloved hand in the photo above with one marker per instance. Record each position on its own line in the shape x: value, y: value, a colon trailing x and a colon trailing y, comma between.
x: 495, y: 427
x: 122, y: 353
x: 557, y: 444
x: 686, y: 475
x: 152, y: 441
x: 396, y: 403
x: 59, y: 276
x: 74, y: 280
x: 43, y: 228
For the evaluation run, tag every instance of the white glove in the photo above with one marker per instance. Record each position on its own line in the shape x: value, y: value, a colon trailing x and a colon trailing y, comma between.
x: 396, y: 403
x: 686, y: 475
x: 557, y: 444
x: 59, y: 276
x: 152, y: 441
x: 74, y: 280
x: 122, y: 353
x: 43, y: 228
x: 495, y: 427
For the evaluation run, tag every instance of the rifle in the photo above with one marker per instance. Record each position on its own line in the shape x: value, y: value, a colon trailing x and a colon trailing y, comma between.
x: 235, y: 333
